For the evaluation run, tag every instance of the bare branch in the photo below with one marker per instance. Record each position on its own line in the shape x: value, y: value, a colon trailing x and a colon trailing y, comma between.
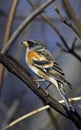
x: 69, y: 24
x: 38, y: 19
x: 7, y: 33
x: 73, y: 44
x: 70, y: 50
x: 24, y: 24
x: 35, y: 112
x: 10, y: 21
x: 25, y: 116
x: 17, y: 70
x: 11, y: 111
x: 72, y: 15
x: 49, y: 22
x: 61, y: 47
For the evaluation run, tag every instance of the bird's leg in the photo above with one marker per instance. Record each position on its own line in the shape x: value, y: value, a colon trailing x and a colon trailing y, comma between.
x: 47, y: 94
x: 38, y: 85
x: 41, y: 80
x: 64, y: 96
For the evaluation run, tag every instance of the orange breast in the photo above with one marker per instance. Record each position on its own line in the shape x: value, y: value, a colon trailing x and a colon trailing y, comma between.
x: 32, y: 55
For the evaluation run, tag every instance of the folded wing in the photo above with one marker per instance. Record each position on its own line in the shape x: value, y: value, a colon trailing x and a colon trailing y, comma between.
x: 52, y: 69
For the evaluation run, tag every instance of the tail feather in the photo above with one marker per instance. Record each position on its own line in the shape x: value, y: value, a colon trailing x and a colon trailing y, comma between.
x: 64, y: 96
x: 67, y: 83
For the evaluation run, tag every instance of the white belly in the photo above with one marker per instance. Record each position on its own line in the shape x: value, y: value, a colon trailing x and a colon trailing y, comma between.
x: 34, y: 70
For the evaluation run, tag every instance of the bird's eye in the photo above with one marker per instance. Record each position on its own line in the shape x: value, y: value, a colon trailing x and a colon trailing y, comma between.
x: 31, y: 43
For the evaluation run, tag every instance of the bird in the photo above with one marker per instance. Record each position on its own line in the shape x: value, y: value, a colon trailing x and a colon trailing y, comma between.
x: 44, y: 65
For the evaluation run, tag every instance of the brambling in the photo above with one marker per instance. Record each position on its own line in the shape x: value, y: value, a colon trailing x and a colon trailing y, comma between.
x: 42, y: 63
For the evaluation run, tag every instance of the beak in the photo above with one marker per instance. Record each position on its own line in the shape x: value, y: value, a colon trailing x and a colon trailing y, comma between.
x: 25, y: 43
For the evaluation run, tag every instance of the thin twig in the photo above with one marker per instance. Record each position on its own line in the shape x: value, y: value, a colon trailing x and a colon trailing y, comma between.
x: 26, y: 116
x: 24, y: 24
x: 35, y: 112
x: 49, y: 22
x: 68, y: 23
x: 20, y: 17
x: 71, y: 99
x: 73, y: 44
x: 69, y: 50
x: 7, y: 33
x: 72, y: 15
x: 10, y: 21
x: 11, y: 111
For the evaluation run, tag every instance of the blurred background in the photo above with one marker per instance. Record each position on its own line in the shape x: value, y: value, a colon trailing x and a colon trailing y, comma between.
x: 13, y: 89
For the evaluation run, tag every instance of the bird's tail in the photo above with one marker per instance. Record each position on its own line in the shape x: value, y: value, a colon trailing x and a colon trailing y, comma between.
x: 64, y: 96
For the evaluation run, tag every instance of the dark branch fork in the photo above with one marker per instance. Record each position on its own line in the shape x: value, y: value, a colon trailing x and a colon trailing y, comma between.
x: 15, y: 68
x: 67, y: 48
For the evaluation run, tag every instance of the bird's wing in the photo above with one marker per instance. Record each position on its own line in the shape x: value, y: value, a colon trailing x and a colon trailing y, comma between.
x: 58, y: 74
x: 43, y: 64
x: 53, y: 70
x: 48, y: 66
x: 57, y: 68
x: 47, y: 62
x: 45, y: 59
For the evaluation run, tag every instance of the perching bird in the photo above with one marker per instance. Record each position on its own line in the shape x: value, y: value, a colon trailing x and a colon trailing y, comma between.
x: 42, y: 63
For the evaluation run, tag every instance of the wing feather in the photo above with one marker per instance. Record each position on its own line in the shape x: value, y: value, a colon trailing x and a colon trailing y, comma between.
x: 43, y: 64
x: 51, y: 69
x: 58, y: 69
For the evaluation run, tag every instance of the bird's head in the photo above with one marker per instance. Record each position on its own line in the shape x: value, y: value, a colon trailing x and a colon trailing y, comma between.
x: 33, y: 44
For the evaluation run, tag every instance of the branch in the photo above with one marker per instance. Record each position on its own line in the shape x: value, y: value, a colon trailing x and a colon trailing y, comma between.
x: 69, y: 50
x: 18, y: 70
x: 8, y: 32
x: 25, y: 117
x: 72, y: 14
x: 20, y: 17
x: 24, y: 24
x: 69, y: 24
x: 35, y: 112
x: 48, y: 21
x: 10, y: 21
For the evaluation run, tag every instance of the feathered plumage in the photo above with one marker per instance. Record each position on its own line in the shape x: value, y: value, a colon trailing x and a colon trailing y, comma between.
x: 41, y: 62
